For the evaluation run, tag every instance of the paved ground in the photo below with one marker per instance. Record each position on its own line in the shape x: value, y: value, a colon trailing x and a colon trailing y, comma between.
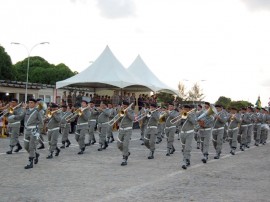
x: 98, y: 176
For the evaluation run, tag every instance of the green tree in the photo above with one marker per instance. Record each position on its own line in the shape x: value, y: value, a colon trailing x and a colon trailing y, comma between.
x: 6, y: 68
x: 240, y: 104
x: 224, y: 101
x: 195, y: 94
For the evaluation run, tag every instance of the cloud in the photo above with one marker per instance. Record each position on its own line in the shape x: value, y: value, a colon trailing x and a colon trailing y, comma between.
x: 116, y: 8
x: 257, y: 4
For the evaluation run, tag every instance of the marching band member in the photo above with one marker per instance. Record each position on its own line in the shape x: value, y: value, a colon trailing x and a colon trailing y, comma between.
x: 170, y: 128
x: 65, y: 126
x: 246, y: 120
x: 82, y: 125
x: 143, y: 122
x: 265, y: 126
x: 187, y: 134
x: 151, y: 129
x: 161, y: 124
x: 14, y: 126
x: 54, y: 117
x: 92, y: 122
x: 103, y: 120
x: 197, y: 135
x: 257, y: 126
x: 218, y: 130
x: 125, y: 132
x: 42, y: 110
x: 233, y: 128
x: 113, y: 113
x: 32, y: 118
x: 206, y: 124
x: 250, y: 126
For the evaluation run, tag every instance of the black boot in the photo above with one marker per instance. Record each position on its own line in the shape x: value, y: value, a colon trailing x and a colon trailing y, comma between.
x: 36, y: 158
x: 106, y: 145
x: 217, y: 156
x: 172, y: 150
x: 112, y: 139
x: 184, y: 165
x: 82, y: 151
x: 151, y: 155
x: 205, y: 158
x: 68, y: 143
x: 10, y: 151
x: 42, y: 146
x: 19, y: 147
x: 94, y: 141
x: 101, y: 147
x: 57, y: 151
x: 242, y: 148
x: 30, y: 163
x: 168, y: 152
x: 198, y: 145
x: 50, y: 156
x: 63, y: 145
x: 187, y: 162
x: 232, y: 152
x: 124, y: 162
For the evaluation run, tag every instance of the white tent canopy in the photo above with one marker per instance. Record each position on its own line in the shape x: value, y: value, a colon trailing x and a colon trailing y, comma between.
x: 139, y: 69
x: 106, y: 72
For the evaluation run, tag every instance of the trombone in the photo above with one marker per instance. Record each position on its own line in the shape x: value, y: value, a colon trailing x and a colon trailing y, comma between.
x: 210, y: 111
x: 181, y: 116
x: 49, y: 114
x: 10, y: 110
x: 78, y: 112
x: 120, y: 114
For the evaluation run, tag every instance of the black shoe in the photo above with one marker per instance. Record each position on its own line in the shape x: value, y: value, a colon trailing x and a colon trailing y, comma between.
x: 9, y: 152
x: 142, y: 143
x: 93, y: 142
x: 57, y: 151
x: 184, y: 167
x: 205, y: 158
x: 30, y: 163
x: 19, y: 147
x: 187, y: 162
x: 112, y: 140
x: 41, y: 147
x: 88, y: 144
x: 217, y: 156
x: 256, y: 144
x: 101, y: 148
x: 242, y: 148
x: 198, y: 145
x: 80, y: 152
x: 168, y: 154
x: 124, y: 162
x: 247, y: 145
x: 151, y: 155
x: 172, y: 150
x: 68, y: 143
x: 50, y: 156
x: 36, y: 158
x: 63, y: 145
x: 232, y: 152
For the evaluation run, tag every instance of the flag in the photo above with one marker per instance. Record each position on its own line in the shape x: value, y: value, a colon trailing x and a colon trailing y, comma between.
x: 258, y: 103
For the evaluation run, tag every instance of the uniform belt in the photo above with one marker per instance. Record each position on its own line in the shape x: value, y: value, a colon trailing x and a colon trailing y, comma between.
x: 188, y: 131
x: 127, y: 128
x: 30, y: 127
x: 92, y: 120
x: 258, y: 124
x: 218, y: 128
x: 152, y: 127
x: 80, y: 124
x: 170, y: 127
x: 57, y: 128
x: 14, y: 123
x: 250, y: 124
x: 205, y: 128
x: 233, y: 128
x: 244, y: 125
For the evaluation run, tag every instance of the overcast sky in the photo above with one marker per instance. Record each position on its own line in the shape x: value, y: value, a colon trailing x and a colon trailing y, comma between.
x: 225, y: 42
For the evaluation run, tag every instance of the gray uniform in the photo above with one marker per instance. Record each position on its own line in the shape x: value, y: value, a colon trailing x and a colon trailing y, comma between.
x: 242, y: 139
x: 125, y: 131
x: 250, y: 128
x: 170, y: 129
x: 103, y: 119
x: 265, y: 128
x: 205, y: 132
x: 53, y: 130
x: 113, y: 113
x: 187, y: 134
x: 14, y: 128
x: 64, y: 125
x: 92, y: 123
x: 257, y: 127
x: 218, y: 131
x: 143, y: 121
x: 32, y: 118
x: 233, y: 129
x: 82, y: 128
x: 151, y: 131
x: 197, y: 135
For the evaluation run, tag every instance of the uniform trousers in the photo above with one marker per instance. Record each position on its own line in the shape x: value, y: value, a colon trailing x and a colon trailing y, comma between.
x: 217, y: 138
x: 186, y: 141
x: 53, y: 139
x: 232, y: 134
x: 80, y: 137
x: 14, y: 135
x: 150, y: 138
x: 123, y: 141
x: 205, y: 139
x: 170, y: 132
x: 30, y: 142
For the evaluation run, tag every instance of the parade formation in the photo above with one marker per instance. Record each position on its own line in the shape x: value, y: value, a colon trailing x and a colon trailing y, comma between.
x: 204, y: 123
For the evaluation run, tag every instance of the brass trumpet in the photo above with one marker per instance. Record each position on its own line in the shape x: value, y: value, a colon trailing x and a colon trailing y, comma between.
x: 181, y: 116
x: 49, y: 114
x: 10, y: 110
x: 162, y: 117
x: 78, y: 112
x: 120, y: 114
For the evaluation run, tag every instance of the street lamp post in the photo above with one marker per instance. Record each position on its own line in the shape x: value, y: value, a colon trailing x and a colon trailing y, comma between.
x: 28, y: 60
